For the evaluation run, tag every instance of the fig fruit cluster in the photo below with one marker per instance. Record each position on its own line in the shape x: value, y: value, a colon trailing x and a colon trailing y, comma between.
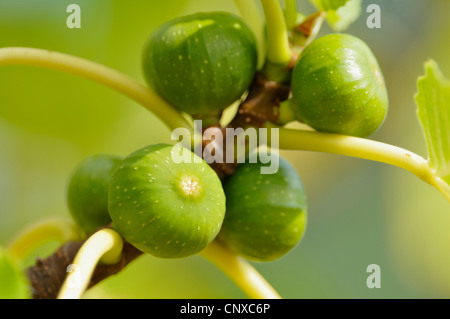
x: 200, y: 64
x: 174, y: 210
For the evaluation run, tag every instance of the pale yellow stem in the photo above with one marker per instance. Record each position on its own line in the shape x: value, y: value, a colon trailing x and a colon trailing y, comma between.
x: 240, y: 271
x: 291, y: 139
x: 291, y: 13
x: 98, y: 73
x: 35, y: 235
x: 104, y: 246
x: 278, y: 48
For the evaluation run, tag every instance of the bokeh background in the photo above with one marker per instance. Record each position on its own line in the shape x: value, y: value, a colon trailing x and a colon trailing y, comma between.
x: 360, y: 212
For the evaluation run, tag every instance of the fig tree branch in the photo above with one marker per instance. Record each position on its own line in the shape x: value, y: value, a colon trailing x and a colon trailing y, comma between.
x: 98, y: 73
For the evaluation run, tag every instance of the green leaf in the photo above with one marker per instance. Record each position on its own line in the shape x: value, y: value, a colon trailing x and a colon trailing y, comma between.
x: 12, y: 280
x: 340, y: 13
x: 433, y: 102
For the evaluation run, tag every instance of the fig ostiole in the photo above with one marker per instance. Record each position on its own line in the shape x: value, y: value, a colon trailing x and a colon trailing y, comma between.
x: 166, y: 209
x: 338, y: 87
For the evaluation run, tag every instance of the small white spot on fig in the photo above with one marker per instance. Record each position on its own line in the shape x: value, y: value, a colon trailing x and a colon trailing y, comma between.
x: 141, y: 192
x: 180, y: 57
x: 117, y: 187
x: 295, y: 230
x: 196, y: 40
x: 120, y: 204
x: 168, y: 242
x: 246, y: 197
x: 135, y: 168
x: 202, y: 71
x: 129, y: 197
x: 198, y: 228
x: 183, y: 244
x: 283, y: 214
x: 125, y: 190
x: 120, y: 217
x: 219, y: 65
x: 177, y: 242
x: 247, y: 228
x: 155, y: 165
x: 181, y: 207
x: 141, y: 212
x: 157, y: 201
x: 134, y: 188
x: 266, y: 231
x: 156, y: 248
x: 129, y: 222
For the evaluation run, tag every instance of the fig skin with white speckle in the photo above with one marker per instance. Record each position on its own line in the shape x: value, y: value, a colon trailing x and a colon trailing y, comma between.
x: 266, y: 214
x: 338, y: 87
x: 201, y: 63
x: 166, y: 209
x: 87, y: 192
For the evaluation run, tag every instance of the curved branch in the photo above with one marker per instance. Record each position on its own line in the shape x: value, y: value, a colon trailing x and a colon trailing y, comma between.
x: 104, y: 246
x: 54, y: 229
x: 291, y: 139
x: 240, y: 271
x: 100, y: 74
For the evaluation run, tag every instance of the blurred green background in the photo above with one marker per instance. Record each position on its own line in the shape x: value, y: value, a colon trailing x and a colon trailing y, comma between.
x: 360, y: 212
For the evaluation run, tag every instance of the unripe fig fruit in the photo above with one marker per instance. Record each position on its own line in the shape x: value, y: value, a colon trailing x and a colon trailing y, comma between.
x: 166, y: 209
x: 266, y: 214
x: 87, y: 193
x: 202, y: 62
x: 338, y: 87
